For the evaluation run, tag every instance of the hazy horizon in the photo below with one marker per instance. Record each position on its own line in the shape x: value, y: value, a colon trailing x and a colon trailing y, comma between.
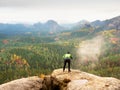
x: 62, y: 11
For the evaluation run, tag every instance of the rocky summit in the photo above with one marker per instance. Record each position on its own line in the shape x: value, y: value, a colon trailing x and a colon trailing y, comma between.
x: 59, y: 80
x: 78, y: 80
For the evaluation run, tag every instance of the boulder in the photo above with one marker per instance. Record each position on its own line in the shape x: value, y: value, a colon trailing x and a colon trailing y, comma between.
x: 78, y: 80
x: 30, y: 83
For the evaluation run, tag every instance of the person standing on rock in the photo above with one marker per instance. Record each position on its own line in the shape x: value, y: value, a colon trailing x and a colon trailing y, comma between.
x: 67, y: 59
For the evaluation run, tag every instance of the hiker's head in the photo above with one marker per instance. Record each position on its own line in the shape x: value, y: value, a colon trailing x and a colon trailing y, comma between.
x: 68, y: 52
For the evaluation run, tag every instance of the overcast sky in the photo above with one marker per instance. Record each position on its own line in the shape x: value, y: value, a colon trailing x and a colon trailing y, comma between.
x: 62, y: 11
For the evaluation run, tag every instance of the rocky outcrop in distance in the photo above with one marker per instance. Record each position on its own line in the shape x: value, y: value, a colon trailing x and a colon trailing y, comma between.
x: 59, y: 80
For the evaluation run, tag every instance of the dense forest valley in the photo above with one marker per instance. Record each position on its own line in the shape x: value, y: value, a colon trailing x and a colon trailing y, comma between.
x: 35, y: 53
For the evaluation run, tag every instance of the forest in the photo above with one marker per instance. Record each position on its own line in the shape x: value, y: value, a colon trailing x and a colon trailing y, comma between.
x: 24, y: 56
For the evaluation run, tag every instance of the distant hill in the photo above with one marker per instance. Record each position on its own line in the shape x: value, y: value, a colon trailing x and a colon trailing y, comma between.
x: 77, y: 25
x: 113, y: 23
x: 97, y: 23
x: 12, y: 29
x: 51, y: 27
x: 85, y: 29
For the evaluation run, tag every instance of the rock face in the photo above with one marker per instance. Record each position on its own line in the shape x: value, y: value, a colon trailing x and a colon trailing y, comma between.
x: 59, y: 80
x: 31, y: 83
x: 78, y: 80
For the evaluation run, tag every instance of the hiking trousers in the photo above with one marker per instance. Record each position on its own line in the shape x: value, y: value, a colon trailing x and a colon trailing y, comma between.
x: 67, y: 61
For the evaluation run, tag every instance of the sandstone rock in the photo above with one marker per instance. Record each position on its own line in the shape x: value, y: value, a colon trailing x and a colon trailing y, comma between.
x: 59, y: 80
x: 84, y: 81
x: 30, y: 83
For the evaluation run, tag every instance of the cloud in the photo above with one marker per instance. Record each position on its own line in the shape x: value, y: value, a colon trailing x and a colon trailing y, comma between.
x: 59, y: 3
x: 18, y: 3
x: 33, y: 3
x: 59, y: 10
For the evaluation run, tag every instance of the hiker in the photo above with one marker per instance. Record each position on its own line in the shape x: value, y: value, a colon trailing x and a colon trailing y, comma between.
x: 67, y: 59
